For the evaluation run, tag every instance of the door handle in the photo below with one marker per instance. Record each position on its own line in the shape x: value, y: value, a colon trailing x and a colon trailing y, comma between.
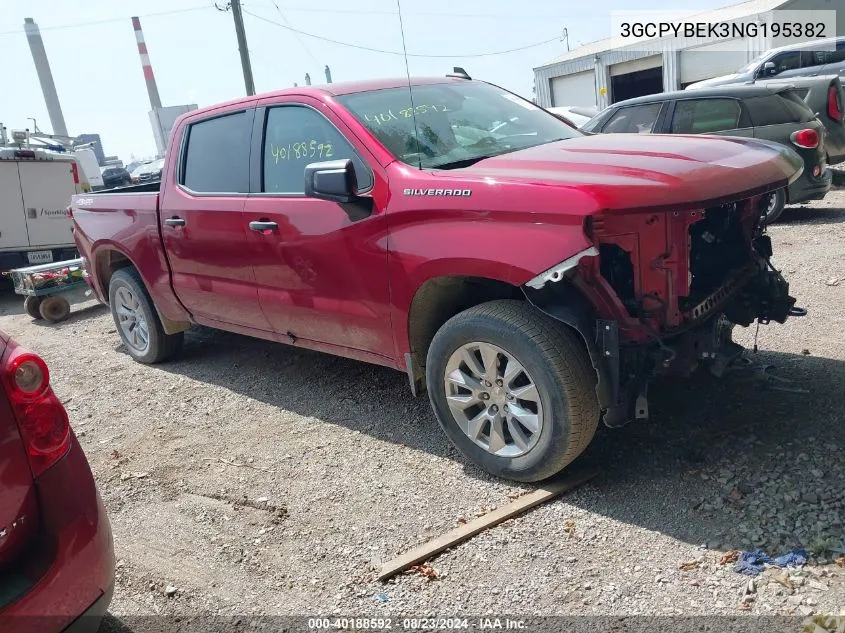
x: 175, y: 221
x: 262, y: 226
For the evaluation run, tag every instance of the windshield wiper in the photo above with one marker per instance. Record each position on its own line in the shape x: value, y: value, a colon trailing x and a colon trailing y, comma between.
x: 464, y: 162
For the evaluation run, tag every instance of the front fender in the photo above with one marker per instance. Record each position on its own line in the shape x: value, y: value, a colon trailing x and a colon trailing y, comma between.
x: 512, y: 248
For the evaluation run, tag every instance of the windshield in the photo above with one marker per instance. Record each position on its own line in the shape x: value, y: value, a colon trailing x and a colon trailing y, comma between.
x: 456, y: 124
x: 751, y: 65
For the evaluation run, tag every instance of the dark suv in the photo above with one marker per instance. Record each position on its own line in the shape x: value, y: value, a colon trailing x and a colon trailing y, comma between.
x: 772, y: 113
x: 115, y: 177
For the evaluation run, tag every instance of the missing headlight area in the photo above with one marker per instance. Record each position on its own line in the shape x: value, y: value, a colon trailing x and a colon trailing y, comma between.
x: 718, y: 248
x: 618, y: 269
x: 669, y: 270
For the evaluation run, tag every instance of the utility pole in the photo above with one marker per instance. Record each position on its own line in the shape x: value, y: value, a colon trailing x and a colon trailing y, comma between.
x: 242, y: 48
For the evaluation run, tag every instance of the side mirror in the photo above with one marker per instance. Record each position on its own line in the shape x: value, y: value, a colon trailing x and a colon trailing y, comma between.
x: 333, y: 180
x: 770, y: 69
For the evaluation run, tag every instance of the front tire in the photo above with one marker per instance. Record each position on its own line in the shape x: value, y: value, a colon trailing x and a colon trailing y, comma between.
x: 773, y: 206
x: 513, y: 389
x: 137, y: 320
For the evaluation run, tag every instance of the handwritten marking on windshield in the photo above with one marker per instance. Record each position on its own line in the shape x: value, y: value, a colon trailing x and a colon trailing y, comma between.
x: 405, y: 113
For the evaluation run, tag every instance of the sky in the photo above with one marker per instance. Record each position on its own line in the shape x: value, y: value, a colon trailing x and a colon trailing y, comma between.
x: 193, y: 50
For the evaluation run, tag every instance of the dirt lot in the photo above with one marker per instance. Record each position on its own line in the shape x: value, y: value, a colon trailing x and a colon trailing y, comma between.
x: 248, y: 477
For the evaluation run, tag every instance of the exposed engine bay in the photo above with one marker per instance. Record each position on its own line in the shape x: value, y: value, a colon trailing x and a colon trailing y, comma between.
x: 663, y: 294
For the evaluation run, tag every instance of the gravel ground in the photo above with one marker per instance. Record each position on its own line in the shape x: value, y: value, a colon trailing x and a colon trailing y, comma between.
x: 253, y: 478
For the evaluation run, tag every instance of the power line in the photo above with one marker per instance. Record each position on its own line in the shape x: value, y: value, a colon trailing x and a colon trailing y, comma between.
x: 298, y: 39
x: 399, y: 53
x: 529, y: 16
x: 108, y: 21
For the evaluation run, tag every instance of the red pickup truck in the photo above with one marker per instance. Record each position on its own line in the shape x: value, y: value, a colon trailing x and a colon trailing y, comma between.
x: 530, y: 278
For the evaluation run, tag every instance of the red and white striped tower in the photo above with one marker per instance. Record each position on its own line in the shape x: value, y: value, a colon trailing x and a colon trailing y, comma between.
x: 152, y: 89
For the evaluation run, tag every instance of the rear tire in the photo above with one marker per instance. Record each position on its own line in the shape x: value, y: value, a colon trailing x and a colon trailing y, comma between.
x: 137, y: 321
x: 773, y: 206
x: 555, y: 384
x: 54, y: 309
x: 31, y: 305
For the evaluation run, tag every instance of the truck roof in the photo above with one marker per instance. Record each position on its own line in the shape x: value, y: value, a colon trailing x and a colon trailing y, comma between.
x: 333, y: 90
x: 33, y: 153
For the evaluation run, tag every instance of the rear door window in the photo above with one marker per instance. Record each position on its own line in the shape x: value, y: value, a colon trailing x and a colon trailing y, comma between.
x: 636, y: 119
x: 784, y: 107
x: 702, y: 116
x: 216, y: 156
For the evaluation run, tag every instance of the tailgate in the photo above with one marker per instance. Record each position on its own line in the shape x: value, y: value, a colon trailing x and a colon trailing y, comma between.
x: 18, y: 505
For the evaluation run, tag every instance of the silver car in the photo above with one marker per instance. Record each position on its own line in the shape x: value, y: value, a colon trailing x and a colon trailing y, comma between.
x: 797, y: 60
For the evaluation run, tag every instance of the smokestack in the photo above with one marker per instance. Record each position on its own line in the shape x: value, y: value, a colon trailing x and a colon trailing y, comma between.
x: 307, y: 79
x: 42, y: 66
x: 152, y: 89
x: 328, y: 74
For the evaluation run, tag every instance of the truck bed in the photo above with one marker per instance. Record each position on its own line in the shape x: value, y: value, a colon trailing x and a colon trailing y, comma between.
x: 147, y: 187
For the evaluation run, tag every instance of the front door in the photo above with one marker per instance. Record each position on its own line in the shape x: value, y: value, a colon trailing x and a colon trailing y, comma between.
x: 320, y: 267
x: 202, y: 223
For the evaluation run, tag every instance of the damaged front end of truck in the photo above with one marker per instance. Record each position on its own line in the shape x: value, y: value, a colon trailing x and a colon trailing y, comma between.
x: 659, y: 292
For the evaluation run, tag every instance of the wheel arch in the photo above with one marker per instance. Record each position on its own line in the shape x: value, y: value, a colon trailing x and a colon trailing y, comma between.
x: 437, y: 300
x: 564, y: 302
x: 108, y: 259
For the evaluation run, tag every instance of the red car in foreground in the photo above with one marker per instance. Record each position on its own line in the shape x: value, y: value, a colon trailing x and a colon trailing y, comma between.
x: 56, y: 550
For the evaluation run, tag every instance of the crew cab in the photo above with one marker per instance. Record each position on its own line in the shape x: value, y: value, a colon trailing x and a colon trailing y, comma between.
x: 531, y: 279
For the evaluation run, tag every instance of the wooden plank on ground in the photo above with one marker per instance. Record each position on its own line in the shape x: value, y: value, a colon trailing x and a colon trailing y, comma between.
x: 550, y: 490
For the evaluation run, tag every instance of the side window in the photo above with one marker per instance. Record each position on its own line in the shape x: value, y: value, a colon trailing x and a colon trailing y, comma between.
x: 787, y: 61
x: 638, y: 119
x: 700, y: 116
x: 296, y: 136
x: 216, y: 158
x: 775, y: 109
x: 797, y: 110
x: 813, y: 58
x: 837, y: 56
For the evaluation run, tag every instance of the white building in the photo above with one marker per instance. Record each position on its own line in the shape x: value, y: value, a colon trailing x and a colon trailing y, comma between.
x: 605, y: 72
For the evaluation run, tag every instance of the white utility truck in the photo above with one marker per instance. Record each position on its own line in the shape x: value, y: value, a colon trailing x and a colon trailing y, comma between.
x: 35, y: 190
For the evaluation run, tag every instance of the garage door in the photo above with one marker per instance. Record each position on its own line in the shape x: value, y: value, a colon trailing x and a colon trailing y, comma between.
x: 643, y: 63
x: 574, y: 90
x: 711, y: 60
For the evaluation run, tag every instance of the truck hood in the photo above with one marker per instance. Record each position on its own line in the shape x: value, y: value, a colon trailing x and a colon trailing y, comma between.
x: 635, y: 171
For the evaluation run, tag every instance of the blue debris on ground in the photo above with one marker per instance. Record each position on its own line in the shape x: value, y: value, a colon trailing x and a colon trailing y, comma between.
x: 754, y: 563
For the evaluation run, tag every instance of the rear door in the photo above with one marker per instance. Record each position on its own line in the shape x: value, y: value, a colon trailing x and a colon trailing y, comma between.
x: 18, y: 507
x: 12, y: 217
x: 202, y: 223
x: 710, y: 115
x: 47, y: 189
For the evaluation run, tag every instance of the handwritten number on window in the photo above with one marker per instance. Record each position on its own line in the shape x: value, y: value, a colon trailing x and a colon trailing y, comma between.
x: 302, y: 150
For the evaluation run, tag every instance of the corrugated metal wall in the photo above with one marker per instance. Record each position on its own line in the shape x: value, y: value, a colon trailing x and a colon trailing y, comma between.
x: 601, y: 62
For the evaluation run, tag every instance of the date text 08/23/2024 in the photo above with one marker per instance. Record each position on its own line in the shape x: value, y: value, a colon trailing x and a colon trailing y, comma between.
x: 416, y: 624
